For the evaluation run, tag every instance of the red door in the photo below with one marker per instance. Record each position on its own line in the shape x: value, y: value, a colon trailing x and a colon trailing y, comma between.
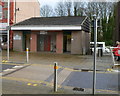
x: 47, y: 40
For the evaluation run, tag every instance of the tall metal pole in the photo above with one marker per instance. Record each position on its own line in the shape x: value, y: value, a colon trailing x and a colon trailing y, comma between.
x: 8, y: 53
x: 95, y: 56
x: 55, y: 76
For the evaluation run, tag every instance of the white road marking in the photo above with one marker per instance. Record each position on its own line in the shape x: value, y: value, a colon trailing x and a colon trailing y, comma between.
x: 0, y: 74
x: 17, y: 66
x: 115, y: 70
x: 116, y: 64
x: 9, y: 70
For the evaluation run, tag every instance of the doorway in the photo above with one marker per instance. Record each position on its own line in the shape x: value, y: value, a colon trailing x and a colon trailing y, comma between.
x: 67, y: 42
x: 43, y: 42
x: 26, y: 40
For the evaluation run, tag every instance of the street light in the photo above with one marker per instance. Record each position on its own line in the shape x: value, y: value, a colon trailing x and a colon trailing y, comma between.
x: 95, y: 56
x: 8, y: 30
x: 95, y: 46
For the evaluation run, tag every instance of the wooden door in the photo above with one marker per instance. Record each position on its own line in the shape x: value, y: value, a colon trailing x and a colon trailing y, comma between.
x: 47, y: 40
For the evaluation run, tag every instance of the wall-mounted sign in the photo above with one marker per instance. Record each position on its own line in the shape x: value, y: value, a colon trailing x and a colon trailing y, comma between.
x: 43, y: 32
x: 3, y: 26
x: 17, y: 37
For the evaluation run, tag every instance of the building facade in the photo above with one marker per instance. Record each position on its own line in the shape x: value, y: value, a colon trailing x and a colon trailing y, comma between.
x: 0, y: 19
x: 117, y: 25
x: 53, y: 34
x: 19, y: 11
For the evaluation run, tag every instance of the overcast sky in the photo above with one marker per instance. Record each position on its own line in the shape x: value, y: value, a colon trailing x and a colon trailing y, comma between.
x: 52, y: 3
x: 48, y: 2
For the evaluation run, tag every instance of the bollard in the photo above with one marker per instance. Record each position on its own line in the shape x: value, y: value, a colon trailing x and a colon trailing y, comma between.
x: 100, y: 52
x: 55, y: 76
x: 27, y: 55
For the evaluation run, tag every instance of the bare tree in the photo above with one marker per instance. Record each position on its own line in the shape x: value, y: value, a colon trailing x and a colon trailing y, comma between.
x: 79, y: 8
x: 60, y: 9
x: 46, y: 11
x: 68, y: 6
x: 100, y: 9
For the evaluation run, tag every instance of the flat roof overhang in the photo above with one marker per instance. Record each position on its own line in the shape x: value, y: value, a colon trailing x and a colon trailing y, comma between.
x: 46, y: 28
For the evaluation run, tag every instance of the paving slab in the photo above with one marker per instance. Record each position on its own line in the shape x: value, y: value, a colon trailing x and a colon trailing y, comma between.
x: 62, y: 76
x: 33, y: 73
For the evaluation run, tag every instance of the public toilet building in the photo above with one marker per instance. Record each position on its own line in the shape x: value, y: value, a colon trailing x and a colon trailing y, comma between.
x: 53, y: 34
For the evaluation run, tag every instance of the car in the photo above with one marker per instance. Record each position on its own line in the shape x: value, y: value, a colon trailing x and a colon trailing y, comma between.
x: 107, y: 50
x: 100, y: 45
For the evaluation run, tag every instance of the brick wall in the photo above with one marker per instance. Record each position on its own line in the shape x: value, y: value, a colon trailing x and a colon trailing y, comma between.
x: 59, y: 42
x: 76, y: 42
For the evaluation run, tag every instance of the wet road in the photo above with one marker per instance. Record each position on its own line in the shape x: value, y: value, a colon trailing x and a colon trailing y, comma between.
x: 105, y: 81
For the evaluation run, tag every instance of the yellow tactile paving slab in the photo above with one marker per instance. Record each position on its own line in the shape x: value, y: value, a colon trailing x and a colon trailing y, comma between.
x: 32, y: 82
x: 35, y: 84
x: 4, y: 61
x: 109, y: 69
x: 29, y: 84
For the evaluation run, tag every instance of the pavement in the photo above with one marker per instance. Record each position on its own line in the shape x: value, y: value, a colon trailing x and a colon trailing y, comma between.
x: 65, y: 60
x: 68, y: 79
x: 74, y: 71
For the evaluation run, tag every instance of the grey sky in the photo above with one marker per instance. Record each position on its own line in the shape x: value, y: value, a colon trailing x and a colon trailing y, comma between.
x: 53, y: 2
x: 48, y: 2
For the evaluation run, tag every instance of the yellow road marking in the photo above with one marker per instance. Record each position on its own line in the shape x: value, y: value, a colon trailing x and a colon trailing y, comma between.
x: 4, y: 61
x: 29, y: 84
x: 70, y: 69
x: 109, y: 69
x: 27, y: 80
x: 112, y: 91
x: 15, y: 64
x: 34, y: 84
x: 47, y: 83
x: 42, y: 65
x: 106, y: 72
x: 107, y: 90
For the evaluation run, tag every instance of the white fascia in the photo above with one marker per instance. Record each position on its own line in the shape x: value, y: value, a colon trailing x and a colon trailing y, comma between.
x: 46, y: 28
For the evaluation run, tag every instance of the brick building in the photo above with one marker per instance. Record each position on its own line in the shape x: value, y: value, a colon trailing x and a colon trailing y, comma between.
x: 117, y: 25
x: 18, y: 11
x: 53, y: 34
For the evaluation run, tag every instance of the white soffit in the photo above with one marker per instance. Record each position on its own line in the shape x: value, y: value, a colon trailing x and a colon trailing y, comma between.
x: 46, y: 28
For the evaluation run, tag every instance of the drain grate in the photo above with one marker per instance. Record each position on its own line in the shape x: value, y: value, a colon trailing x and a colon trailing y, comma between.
x: 85, y: 70
x: 78, y: 89
x: 76, y: 69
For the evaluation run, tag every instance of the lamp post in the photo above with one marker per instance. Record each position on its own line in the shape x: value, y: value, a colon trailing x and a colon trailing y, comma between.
x: 95, y: 56
x: 8, y: 30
